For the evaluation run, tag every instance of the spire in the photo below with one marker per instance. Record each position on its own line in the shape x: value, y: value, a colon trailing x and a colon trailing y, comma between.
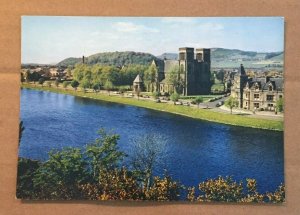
x: 242, y: 70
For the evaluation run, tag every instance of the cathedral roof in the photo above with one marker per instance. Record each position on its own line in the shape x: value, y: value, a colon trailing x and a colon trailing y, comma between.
x: 159, y: 64
x: 170, y: 64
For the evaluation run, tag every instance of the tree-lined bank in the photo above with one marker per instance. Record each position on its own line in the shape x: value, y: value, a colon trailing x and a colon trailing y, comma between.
x: 196, y: 113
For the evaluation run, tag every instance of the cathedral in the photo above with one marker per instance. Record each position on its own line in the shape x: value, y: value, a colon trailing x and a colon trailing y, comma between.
x: 194, y: 72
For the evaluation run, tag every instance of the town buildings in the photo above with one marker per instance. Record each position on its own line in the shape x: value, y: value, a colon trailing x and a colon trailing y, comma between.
x: 257, y: 93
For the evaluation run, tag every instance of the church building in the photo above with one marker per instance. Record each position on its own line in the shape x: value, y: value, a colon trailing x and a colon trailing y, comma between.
x: 193, y: 71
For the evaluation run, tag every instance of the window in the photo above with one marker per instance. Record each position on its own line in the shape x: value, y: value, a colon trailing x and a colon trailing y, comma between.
x: 270, y: 105
x: 256, y: 105
x: 280, y: 96
x: 270, y: 97
x: 256, y: 96
x: 270, y: 88
x: 246, y: 104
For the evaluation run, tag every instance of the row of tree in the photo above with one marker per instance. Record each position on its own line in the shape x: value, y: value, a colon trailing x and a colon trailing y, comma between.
x: 98, y: 172
x: 233, y: 102
x: 100, y: 75
x: 89, y: 76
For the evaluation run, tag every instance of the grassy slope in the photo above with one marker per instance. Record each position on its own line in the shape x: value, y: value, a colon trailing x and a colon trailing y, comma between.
x: 176, y: 109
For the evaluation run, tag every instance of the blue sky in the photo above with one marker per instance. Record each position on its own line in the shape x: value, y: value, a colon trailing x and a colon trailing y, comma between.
x: 50, y: 39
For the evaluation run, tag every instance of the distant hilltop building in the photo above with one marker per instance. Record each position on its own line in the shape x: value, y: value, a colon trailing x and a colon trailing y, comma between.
x: 194, y: 67
x: 257, y: 93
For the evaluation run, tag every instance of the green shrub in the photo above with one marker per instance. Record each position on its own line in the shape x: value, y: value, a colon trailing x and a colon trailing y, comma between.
x: 155, y: 95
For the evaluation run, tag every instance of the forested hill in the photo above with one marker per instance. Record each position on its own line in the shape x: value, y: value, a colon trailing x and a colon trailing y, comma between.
x: 112, y: 58
x: 220, y: 57
x: 222, y: 54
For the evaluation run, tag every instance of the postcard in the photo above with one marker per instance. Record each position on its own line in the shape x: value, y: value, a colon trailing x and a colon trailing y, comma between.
x: 152, y: 109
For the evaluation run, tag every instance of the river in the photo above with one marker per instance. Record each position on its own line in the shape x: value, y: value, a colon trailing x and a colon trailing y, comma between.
x: 194, y: 150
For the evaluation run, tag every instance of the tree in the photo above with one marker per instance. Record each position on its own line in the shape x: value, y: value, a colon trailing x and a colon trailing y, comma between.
x: 116, y: 184
x: 61, y: 175
x: 78, y: 72
x: 41, y: 81
x: 84, y: 84
x: 75, y: 84
x: 155, y: 94
x: 174, y: 77
x: 96, y: 87
x: 174, y: 97
x: 147, y: 152
x: 35, y: 77
x: 198, y: 100
x: 21, y: 129
x: 103, y: 153
x: 65, y: 84
x: 279, y: 105
x: 56, y: 83
x: 231, y: 103
x: 150, y: 78
x: 26, y: 173
x: 220, y: 76
x: 108, y: 86
x: 164, y: 189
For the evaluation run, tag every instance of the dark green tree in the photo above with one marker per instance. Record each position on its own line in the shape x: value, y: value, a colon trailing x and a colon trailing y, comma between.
x: 41, y: 81
x: 75, y: 84
x: 198, y: 100
x: 26, y: 173
x: 61, y: 176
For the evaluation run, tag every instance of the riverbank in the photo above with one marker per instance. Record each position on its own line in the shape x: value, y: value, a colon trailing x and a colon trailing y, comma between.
x: 203, y: 114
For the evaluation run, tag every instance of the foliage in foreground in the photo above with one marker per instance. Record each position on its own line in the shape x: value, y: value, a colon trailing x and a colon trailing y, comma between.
x: 96, y: 173
x: 226, y: 189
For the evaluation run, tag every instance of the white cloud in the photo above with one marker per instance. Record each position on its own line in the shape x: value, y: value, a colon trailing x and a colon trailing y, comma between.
x: 131, y: 27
